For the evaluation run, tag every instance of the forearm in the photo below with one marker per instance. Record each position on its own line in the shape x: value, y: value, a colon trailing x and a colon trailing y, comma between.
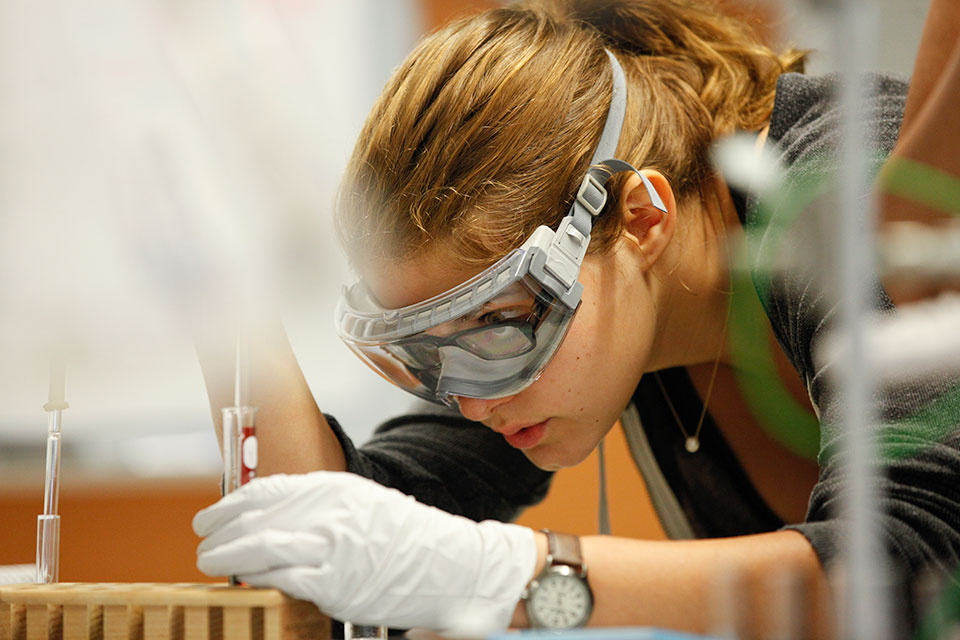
x: 682, y: 584
x: 294, y: 436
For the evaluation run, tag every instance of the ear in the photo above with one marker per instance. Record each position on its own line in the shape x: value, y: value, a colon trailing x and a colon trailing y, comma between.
x: 645, y: 226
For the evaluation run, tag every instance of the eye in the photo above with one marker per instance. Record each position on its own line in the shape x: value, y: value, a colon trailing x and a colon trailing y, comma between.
x: 494, y: 316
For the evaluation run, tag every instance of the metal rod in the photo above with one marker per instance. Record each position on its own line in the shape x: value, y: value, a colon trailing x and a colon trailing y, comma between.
x: 241, y: 389
x: 865, y: 613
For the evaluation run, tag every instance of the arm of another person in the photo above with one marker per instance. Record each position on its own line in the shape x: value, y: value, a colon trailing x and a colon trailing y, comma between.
x: 939, y: 41
x: 930, y: 132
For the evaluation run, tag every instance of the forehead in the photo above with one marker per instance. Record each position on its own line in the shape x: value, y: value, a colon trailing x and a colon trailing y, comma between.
x: 399, y: 283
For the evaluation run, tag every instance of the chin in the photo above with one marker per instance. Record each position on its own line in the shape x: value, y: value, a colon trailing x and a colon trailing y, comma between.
x: 554, y: 458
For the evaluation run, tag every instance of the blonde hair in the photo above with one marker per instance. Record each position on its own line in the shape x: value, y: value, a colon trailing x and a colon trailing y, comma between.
x: 486, y: 129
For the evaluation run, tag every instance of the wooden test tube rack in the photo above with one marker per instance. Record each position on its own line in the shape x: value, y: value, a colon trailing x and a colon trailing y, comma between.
x: 145, y: 611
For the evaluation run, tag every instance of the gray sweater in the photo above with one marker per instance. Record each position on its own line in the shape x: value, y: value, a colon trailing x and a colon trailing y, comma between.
x: 917, y: 430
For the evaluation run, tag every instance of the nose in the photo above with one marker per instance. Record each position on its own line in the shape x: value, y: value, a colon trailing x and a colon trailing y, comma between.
x: 478, y: 409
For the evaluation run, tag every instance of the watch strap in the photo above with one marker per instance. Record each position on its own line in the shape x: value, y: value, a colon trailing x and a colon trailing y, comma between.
x: 564, y: 548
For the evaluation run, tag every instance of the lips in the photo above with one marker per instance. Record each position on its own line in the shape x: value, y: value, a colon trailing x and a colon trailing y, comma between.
x: 526, y: 437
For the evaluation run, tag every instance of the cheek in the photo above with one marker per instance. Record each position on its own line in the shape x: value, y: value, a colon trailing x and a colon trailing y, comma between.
x: 585, y: 389
x: 590, y: 347
x: 595, y: 369
x: 572, y: 362
x: 575, y: 378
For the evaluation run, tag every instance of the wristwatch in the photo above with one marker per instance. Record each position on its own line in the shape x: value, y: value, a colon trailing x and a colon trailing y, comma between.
x: 560, y: 597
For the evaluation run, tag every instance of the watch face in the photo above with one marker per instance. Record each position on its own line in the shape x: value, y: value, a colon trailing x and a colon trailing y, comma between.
x: 561, y: 600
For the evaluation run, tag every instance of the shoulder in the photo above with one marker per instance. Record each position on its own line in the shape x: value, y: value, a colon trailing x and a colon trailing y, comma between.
x: 806, y: 113
x: 785, y: 230
x: 805, y: 132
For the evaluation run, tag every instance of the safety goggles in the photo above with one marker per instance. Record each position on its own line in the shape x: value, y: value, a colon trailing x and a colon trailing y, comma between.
x: 493, y: 335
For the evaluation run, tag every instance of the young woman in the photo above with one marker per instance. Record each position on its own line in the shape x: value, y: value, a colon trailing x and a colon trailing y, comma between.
x: 543, y: 248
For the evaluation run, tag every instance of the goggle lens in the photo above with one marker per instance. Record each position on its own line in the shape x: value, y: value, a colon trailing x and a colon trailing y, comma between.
x: 496, y: 347
x: 499, y: 342
x: 419, y: 355
x: 496, y: 342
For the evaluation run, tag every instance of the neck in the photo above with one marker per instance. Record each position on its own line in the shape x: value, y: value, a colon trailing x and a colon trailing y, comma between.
x: 691, y: 289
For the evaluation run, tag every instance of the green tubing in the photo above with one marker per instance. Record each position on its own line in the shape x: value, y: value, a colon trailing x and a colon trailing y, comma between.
x: 756, y: 374
x: 921, y: 183
x: 771, y: 404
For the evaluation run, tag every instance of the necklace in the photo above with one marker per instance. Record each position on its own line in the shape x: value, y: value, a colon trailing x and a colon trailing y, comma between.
x: 692, y: 442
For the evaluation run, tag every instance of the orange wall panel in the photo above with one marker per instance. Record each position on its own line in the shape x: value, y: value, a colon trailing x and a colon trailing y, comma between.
x: 437, y: 13
x: 136, y: 531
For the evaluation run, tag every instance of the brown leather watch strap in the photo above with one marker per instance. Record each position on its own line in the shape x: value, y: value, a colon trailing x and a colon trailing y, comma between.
x: 564, y: 548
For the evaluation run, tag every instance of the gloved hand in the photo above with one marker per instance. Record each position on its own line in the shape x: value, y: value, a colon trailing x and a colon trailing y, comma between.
x: 366, y: 553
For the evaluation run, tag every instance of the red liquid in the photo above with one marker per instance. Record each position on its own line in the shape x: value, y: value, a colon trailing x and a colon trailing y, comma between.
x: 248, y: 454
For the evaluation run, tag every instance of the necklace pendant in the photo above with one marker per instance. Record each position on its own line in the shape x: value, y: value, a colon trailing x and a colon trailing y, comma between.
x: 692, y: 444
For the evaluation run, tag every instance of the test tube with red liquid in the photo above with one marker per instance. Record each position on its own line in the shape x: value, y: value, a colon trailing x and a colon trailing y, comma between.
x: 247, y: 444
x: 240, y: 450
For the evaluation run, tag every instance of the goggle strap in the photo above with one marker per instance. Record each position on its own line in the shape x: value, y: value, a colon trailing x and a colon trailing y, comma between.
x: 565, y: 254
x: 619, y: 166
x: 590, y: 200
x: 572, y: 237
x: 592, y: 195
x: 607, y: 147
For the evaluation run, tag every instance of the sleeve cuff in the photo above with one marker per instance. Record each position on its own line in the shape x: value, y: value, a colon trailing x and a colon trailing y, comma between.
x: 354, y: 459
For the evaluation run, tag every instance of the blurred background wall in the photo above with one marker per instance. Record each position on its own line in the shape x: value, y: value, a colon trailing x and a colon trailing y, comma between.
x: 152, y: 145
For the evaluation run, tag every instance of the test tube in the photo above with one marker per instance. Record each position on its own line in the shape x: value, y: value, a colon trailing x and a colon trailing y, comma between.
x: 247, y: 451
x: 48, y: 523
x: 230, y: 428
x: 240, y: 451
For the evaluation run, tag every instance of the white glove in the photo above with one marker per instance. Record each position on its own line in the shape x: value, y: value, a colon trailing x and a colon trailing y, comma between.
x: 366, y: 553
